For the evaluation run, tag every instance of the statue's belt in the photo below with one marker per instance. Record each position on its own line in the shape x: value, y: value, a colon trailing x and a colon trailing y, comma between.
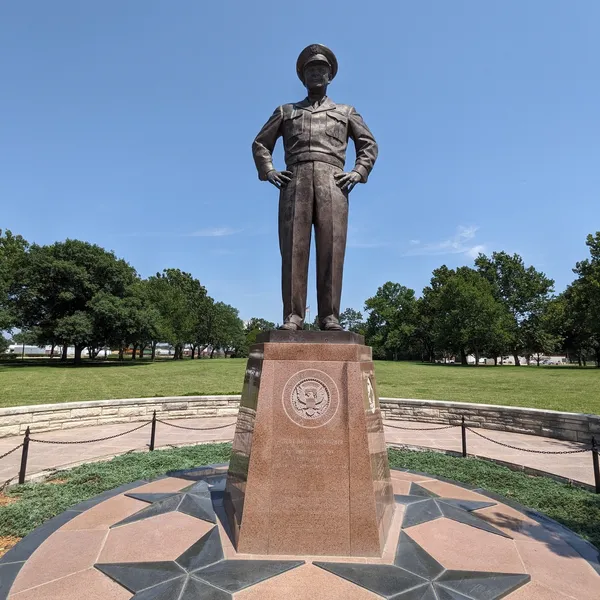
x: 314, y: 157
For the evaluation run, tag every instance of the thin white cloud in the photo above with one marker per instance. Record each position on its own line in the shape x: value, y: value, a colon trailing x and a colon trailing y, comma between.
x: 214, y: 232
x: 475, y: 251
x: 414, y: 242
x: 459, y: 243
x: 210, y: 232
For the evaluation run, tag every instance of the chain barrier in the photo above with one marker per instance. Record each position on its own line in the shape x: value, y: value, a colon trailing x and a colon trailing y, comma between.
x: 195, y: 428
x: 4, y: 485
x: 421, y: 428
x: 11, y: 451
x: 527, y: 449
x: 110, y: 437
x: 25, y: 444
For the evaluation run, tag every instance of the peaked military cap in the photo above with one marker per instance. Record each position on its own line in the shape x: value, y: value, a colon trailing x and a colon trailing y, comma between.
x: 316, y: 52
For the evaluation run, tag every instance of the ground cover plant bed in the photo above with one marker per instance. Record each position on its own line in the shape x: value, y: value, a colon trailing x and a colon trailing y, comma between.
x: 26, y: 507
x: 42, y: 381
x: 38, y: 502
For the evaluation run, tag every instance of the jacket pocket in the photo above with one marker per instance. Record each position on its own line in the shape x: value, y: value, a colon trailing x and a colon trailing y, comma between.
x: 293, y: 128
x: 337, y: 126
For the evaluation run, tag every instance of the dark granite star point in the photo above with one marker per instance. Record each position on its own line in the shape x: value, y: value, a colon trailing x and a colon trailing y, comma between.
x: 194, y: 500
x: 423, y: 506
x: 200, y: 573
x: 416, y: 575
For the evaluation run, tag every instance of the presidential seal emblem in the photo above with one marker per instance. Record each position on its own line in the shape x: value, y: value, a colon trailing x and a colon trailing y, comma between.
x: 310, y: 398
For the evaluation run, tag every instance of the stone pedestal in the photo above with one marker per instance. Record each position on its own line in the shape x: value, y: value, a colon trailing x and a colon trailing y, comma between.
x: 309, y: 472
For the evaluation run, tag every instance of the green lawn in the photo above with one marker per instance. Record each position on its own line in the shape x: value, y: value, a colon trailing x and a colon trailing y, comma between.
x: 558, y: 388
x: 25, y: 507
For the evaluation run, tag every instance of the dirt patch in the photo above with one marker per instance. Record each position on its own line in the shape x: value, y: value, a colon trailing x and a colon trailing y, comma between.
x: 6, y: 500
x: 7, y: 542
x: 56, y: 481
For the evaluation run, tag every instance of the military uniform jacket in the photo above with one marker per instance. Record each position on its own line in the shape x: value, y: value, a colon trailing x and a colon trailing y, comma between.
x: 315, y: 134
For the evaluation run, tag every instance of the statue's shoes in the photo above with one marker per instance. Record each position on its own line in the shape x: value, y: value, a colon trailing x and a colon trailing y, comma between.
x: 332, y: 326
x: 290, y: 326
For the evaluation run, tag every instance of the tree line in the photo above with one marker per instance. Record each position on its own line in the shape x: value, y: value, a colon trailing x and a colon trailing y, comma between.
x: 78, y: 294
x: 498, y: 308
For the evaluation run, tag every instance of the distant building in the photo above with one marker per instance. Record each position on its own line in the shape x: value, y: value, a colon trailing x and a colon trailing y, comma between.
x: 29, y: 350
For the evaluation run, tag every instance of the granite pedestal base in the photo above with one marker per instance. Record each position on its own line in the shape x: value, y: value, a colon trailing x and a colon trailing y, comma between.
x: 309, y: 471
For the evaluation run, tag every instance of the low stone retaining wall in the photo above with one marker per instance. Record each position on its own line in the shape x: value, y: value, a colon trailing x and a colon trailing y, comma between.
x: 575, y: 427
x: 48, y: 417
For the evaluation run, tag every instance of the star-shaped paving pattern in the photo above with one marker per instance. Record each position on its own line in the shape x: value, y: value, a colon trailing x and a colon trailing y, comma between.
x: 200, y: 573
x: 423, y: 505
x: 416, y: 575
x: 194, y: 500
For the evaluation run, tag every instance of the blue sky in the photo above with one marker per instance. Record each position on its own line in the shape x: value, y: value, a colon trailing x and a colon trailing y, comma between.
x: 129, y: 124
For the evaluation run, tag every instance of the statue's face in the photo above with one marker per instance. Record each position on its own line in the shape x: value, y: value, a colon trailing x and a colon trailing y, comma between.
x: 317, y: 75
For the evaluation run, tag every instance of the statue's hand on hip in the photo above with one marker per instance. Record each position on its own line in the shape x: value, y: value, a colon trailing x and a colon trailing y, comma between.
x: 279, y: 178
x: 346, y: 181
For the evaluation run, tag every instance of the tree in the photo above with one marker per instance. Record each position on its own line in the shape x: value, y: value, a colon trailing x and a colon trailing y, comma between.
x: 27, y: 337
x: 12, y: 251
x: 538, y: 338
x: 76, y: 329
x: 146, y: 318
x: 227, y: 330
x: 205, y: 313
x: 255, y: 326
x: 352, y: 320
x: 259, y: 324
x: 392, y: 321
x: 467, y: 318
x: 152, y: 321
x: 524, y: 291
x: 54, y: 285
x: 314, y: 326
x: 583, y: 302
x: 122, y: 322
x: 424, y: 333
x: 567, y: 322
x: 177, y: 297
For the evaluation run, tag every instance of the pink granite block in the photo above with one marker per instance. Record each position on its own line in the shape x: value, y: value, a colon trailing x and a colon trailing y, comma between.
x: 62, y: 554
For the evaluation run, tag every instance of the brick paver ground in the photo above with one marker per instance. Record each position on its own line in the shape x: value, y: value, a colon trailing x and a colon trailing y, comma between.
x: 496, y: 551
x: 43, y: 457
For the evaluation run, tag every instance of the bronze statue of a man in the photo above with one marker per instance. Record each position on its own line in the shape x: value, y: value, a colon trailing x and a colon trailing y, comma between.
x: 314, y: 188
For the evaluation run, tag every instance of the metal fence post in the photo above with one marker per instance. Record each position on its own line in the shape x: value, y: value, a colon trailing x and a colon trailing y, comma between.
x: 596, y: 465
x: 464, y: 437
x: 24, y: 455
x: 153, y: 432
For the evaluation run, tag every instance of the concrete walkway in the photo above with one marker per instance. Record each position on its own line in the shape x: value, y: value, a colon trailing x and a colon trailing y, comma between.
x: 576, y: 467
x: 46, y: 457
